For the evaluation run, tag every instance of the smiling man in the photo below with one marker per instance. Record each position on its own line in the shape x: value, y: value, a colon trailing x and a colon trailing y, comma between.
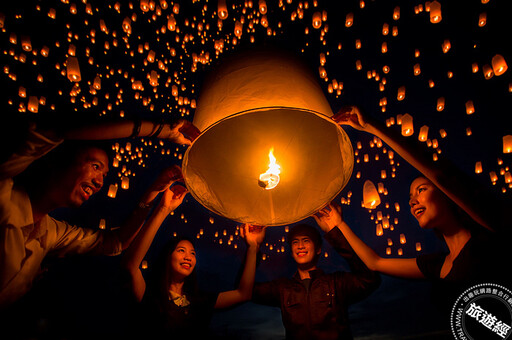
x: 313, y: 303
x: 71, y: 171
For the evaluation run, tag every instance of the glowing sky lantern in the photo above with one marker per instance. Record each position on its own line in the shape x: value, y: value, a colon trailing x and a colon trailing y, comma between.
x: 222, y: 9
x: 317, y: 20
x: 73, y: 69
x: 249, y: 104
x: 482, y: 19
x: 371, y: 198
x: 507, y: 144
x: 401, y: 93
x: 470, y: 107
x: 407, y: 125
x: 440, y: 104
x: 478, y: 167
x: 435, y: 12
x: 499, y: 66
x: 349, y: 19
x: 423, y: 135
x: 262, y: 6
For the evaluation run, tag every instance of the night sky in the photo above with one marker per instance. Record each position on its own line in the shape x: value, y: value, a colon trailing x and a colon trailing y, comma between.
x: 184, y: 53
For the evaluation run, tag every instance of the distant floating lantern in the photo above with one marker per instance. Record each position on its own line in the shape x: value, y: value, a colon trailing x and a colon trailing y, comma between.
x: 447, y: 45
x: 385, y: 29
x: 440, y: 104
x: 26, y: 45
x: 470, y: 108
x: 238, y: 29
x: 384, y: 47
x: 396, y: 13
x: 507, y: 144
x: 423, y: 135
x: 349, y: 19
x: 112, y: 191
x: 493, y: 176
x: 73, y: 69
x: 488, y: 72
x: 407, y: 125
x: 417, y: 69
x: 378, y: 230
x: 33, y: 104
x: 371, y: 198
x: 499, y: 66
x: 125, y: 183
x: 144, y: 5
x: 478, y: 167
x: 317, y: 20
x: 401, y: 93
x: 251, y: 103
x: 435, y: 12
x: 402, y: 239
x: 482, y: 19
x: 262, y: 6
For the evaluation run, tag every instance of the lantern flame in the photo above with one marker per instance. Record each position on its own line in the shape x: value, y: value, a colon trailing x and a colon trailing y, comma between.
x: 270, y: 179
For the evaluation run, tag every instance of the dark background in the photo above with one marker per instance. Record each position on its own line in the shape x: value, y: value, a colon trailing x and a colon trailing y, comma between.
x: 78, y: 294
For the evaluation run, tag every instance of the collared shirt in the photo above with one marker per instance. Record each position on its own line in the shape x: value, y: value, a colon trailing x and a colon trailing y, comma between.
x: 23, y: 243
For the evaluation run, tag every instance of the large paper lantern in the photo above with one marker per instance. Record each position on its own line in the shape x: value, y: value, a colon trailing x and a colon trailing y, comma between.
x: 268, y: 152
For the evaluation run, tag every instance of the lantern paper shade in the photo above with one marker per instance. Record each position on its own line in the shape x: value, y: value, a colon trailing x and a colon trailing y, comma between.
x: 254, y: 103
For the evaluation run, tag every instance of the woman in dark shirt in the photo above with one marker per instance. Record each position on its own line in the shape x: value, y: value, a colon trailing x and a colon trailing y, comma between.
x: 470, y: 220
x: 172, y: 303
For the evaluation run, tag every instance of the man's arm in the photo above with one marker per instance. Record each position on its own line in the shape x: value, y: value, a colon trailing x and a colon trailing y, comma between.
x: 181, y: 131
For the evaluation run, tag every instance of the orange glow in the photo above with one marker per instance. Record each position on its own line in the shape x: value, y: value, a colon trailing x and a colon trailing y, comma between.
x: 507, y: 144
x: 499, y: 66
x: 435, y: 12
x: 371, y: 198
x: 270, y: 179
x: 470, y: 108
x: 478, y: 167
x: 482, y: 19
x: 349, y: 20
x: 407, y: 125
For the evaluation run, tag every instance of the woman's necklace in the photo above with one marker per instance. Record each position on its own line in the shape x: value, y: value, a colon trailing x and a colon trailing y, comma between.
x: 179, y: 300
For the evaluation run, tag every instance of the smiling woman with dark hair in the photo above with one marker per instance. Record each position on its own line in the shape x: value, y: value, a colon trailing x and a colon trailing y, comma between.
x: 172, y: 303
x: 473, y: 223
